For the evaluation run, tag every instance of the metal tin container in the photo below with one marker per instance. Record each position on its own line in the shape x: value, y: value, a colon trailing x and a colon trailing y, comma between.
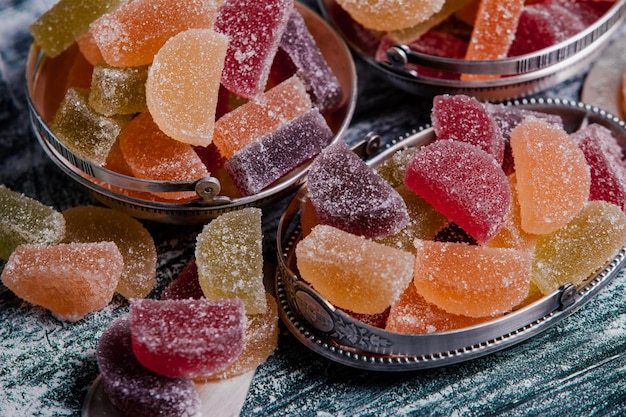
x: 338, y: 336
x: 45, y: 81
x: 519, y: 76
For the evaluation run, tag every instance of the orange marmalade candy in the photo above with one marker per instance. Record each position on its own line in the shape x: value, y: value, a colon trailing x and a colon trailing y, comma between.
x: 183, y: 85
x: 261, y: 115
x: 553, y: 177
x: 352, y: 272
x: 390, y: 14
x: 131, y: 35
x: 471, y: 280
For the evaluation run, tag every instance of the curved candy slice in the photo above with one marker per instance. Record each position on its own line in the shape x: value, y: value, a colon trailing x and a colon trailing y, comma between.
x: 99, y: 224
x: 464, y: 183
x: 553, y: 176
x: 70, y: 280
x: 353, y: 272
x: 229, y: 256
x: 183, y: 83
x: 134, y: 389
x: 575, y: 251
x: 187, y: 338
x: 26, y: 220
x: 349, y: 195
x: 471, y: 280
x: 387, y: 15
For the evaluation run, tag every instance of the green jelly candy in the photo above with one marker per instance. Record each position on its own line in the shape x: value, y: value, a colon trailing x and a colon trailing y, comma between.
x: 66, y: 21
x: 25, y: 220
x: 393, y: 169
x: 87, y: 133
x: 118, y: 90
x: 229, y: 256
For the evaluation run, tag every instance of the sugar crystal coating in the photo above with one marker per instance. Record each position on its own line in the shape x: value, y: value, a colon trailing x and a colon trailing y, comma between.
x: 70, y: 280
x: 118, y: 90
x: 182, y: 88
x: 578, y: 249
x: 26, y: 220
x: 229, y: 256
x: 553, y: 177
x: 349, y: 195
x: 185, y: 285
x: 134, y: 389
x: 387, y: 15
x: 469, y: 280
x: 100, y: 224
x: 353, y: 272
x: 270, y: 157
x: 464, y: 183
x: 254, y: 29
x: 187, y: 338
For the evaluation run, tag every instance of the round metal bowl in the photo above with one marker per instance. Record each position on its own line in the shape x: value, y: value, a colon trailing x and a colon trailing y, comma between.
x: 45, y: 81
x: 520, y: 76
x: 338, y: 336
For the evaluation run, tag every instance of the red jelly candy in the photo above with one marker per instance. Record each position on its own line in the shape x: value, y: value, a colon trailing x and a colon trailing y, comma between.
x: 185, y: 285
x: 464, y: 183
x: 187, y: 338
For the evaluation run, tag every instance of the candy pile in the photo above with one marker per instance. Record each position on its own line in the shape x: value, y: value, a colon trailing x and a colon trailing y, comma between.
x: 466, y: 29
x: 178, y: 91
x: 503, y: 207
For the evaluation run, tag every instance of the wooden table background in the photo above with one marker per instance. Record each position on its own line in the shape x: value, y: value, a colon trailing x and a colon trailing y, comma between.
x: 576, y: 368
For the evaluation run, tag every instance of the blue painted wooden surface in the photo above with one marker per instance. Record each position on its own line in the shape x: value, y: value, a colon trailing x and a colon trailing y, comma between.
x: 577, y: 368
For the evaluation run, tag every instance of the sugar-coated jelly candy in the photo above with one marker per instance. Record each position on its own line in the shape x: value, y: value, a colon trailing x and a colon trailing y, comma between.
x: 182, y: 89
x: 260, y: 341
x: 132, y: 388
x: 393, y: 169
x: 132, y: 34
x: 349, y: 195
x: 254, y: 30
x: 375, y: 320
x: 26, y: 220
x: 310, y: 64
x: 460, y: 117
x: 471, y: 280
x: 151, y: 154
x: 89, y: 48
x: 386, y: 15
x: 118, y: 90
x: 70, y: 280
x: 553, y: 177
x: 578, y: 249
x: 185, y: 285
x: 260, y: 116
x: 187, y: 338
x: 453, y: 233
x: 270, y: 157
x: 100, y: 224
x: 58, y: 28
x: 464, y: 183
x: 353, y: 272
x: 413, y: 314
x: 87, y: 133
x: 604, y: 156
x: 229, y: 256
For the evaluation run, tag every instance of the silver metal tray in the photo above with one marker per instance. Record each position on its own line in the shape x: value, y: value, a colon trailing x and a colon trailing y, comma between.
x: 337, y: 336
x: 522, y: 76
x: 46, y: 76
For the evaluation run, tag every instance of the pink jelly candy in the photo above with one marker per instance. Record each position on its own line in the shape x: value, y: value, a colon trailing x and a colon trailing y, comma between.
x: 131, y: 387
x: 254, y: 29
x: 350, y: 196
x: 464, y: 118
x: 604, y: 156
x: 187, y: 338
x: 464, y: 183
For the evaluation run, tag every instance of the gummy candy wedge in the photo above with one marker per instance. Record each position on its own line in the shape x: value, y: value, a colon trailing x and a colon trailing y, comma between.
x: 26, y: 220
x: 134, y: 389
x: 71, y: 280
x: 229, y: 256
x: 464, y: 183
x: 387, y: 15
x: 254, y: 29
x: 353, y: 272
x: 187, y: 338
x: 471, y: 280
x: 553, y: 177
x: 182, y: 88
